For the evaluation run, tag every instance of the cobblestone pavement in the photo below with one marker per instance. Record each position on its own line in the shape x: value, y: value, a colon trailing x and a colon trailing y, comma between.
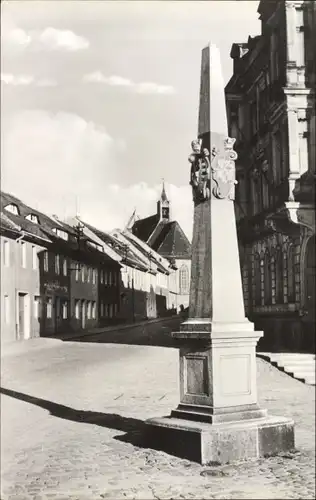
x: 71, y: 412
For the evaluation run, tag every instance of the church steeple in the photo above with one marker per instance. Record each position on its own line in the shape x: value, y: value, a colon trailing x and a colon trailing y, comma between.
x: 163, y: 205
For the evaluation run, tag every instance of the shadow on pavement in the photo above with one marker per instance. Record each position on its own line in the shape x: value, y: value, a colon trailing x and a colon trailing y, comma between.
x: 147, y: 335
x: 136, y: 431
x: 109, y: 420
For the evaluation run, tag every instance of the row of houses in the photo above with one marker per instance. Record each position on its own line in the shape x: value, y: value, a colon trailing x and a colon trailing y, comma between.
x: 58, y: 277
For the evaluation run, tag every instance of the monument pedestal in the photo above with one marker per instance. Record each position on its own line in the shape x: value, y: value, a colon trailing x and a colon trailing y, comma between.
x: 218, y: 418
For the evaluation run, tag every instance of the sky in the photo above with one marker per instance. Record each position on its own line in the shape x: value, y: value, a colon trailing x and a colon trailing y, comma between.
x: 100, y: 101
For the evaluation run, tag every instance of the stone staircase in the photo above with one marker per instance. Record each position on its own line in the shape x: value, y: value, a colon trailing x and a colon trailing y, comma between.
x: 299, y: 366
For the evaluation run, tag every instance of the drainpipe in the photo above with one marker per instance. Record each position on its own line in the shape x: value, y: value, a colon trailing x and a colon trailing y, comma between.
x: 15, y: 283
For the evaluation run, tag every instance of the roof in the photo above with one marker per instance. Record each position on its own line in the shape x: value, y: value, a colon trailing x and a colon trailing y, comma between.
x: 162, y: 264
x: 172, y: 242
x: 126, y: 252
x: 143, y: 228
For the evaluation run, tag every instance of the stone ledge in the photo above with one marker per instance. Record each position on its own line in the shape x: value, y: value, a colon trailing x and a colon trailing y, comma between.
x: 221, y: 442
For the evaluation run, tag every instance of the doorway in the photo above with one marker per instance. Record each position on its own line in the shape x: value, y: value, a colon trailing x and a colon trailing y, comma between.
x: 310, y: 295
x: 23, y: 319
x: 83, y: 314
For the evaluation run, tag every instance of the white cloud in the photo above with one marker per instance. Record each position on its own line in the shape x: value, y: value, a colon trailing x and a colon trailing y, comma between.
x: 49, y: 39
x: 10, y: 79
x: 55, y: 39
x: 118, y: 81
x: 18, y: 80
x: 58, y: 156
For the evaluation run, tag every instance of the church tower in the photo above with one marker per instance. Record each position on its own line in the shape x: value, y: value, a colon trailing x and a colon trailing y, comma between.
x: 163, y: 206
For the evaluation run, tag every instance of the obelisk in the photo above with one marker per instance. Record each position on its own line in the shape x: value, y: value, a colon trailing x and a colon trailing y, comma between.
x: 218, y: 418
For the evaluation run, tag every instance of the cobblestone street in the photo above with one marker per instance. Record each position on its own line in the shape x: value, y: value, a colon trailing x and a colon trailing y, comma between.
x: 70, y: 411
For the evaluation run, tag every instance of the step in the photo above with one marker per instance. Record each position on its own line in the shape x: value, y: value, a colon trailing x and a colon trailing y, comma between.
x: 296, y: 369
x: 290, y: 355
x: 294, y: 362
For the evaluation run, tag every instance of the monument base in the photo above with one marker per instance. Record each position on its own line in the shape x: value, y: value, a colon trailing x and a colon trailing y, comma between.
x: 221, y: 443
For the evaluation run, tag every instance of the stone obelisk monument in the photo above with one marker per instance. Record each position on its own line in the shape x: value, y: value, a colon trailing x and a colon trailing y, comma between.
x: 218, y: 418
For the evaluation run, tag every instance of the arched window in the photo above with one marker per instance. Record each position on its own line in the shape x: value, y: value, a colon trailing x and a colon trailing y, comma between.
x: 279, y: 297
x: 257, y: 277
x: 267, y: 280
x: 290, y: 275
x: 184, y: 279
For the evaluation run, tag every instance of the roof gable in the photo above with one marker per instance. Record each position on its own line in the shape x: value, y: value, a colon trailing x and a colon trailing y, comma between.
x: 172, y: 242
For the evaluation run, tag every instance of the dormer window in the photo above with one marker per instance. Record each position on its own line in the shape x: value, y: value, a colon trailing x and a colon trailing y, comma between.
x: 13, y: 209
x: 60, y: 233
x: 33, y: 218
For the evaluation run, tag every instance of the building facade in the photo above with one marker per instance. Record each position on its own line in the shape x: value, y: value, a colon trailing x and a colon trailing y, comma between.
x: 20, y: 282
x: 166, y: 237
x: 271, y: 113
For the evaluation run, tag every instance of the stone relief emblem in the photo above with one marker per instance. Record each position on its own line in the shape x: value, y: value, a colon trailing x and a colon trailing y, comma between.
x: 200, y: 171
x: 224, y: 173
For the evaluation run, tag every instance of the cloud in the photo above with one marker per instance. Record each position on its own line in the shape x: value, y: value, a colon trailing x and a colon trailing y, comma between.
x: 10, y: 79
x: 118, y: 81
x: 49, y: 39
x: 58, y: 156
x: 55, y: 39
x: 24, y: 80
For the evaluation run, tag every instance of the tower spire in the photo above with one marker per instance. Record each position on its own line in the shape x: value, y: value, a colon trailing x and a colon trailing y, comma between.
x: 163, y: 196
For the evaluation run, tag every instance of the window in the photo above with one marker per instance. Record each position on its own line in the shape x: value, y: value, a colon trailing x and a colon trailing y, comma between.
x: 34, y: 257
x: 88, y: 274
x: 106, y: 278
x: 6, y: 253
x: 36, y: 307
x: 257, y: 279
x: 115, y: 309
x: 77, y: 309
x: 82, y: 273
x: 102, y: 309
x: 93, y: 310
x: 61, y: 234
x: 65, y: 309
x: 291, y: 275
x: 279, y: 277
x: 49, y: 307
x: 184, y: 279
x: 277, y: 156
x: 65, y: 267
x: 267, y: 280
x: 13, y: 209
x: 77, y: 271
x: 110, y: 278
x: 6, y: 309
x: 94, y: 276
x: 23, y: 254
x: 110, y: 310
x: 33, y: 218
x: 101, y: 276
x: 57, y: 264
x: 45, y: 260
x: 88, y: 309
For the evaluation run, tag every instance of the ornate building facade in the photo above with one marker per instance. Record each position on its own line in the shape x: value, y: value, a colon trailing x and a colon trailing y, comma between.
x: 271, y: 113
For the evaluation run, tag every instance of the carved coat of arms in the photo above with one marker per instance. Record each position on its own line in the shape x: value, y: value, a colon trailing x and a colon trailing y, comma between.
x: 221, y: 168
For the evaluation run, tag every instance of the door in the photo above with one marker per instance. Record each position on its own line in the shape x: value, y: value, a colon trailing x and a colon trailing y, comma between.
x: 58, y: 319
x: 24, y: 318
x: 310, y: 296
x: 83, y: 314
x: 21, y: 318
x: 310, y: 268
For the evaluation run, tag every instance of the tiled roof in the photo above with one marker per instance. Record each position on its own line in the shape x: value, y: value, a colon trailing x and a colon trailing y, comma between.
x: 172, y: 242
x: 129, y: 257
x: 143, y: 228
